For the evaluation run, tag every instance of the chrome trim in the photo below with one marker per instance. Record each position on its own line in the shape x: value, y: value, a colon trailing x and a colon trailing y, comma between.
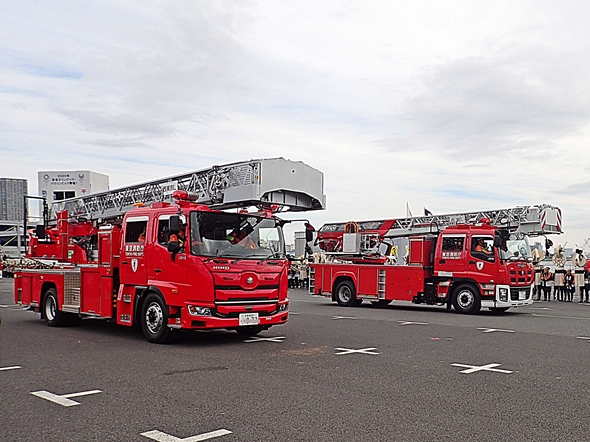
x: 269, y: 301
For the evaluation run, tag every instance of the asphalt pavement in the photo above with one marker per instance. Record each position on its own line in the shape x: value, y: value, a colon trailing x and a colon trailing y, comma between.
x: 394, y: 373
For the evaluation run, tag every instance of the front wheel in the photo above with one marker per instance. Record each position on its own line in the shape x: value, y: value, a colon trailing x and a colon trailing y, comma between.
x: 466, y: 299
x: 53, y: 316
x: 154, y: 319
x: 346, y: 294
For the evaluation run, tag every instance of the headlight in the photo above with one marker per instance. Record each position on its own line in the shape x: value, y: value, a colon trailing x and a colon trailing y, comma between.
x: 284, y: 307
x: 503, y: 294
x: 198, y: 311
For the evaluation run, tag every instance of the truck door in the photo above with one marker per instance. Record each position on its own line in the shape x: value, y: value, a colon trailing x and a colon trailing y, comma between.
x: 450, y: 258
x: 161, y: 266
x: 480, y: 264
x: 133, y: 268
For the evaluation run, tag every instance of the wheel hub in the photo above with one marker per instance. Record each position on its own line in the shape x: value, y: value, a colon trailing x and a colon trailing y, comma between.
x: 154, y: 317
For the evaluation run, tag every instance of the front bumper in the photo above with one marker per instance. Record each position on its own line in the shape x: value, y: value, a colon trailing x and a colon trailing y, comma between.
x: 231, y: 320
x: 506, y: 296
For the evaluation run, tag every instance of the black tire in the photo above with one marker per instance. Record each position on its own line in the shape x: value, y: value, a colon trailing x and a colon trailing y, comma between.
x: 499, y: 310
x: 249, y: 330
x: 53, y: 316
x: 346, y: 294
x: 381, y: 302
x: 466, y: 299
x: 154, y: 319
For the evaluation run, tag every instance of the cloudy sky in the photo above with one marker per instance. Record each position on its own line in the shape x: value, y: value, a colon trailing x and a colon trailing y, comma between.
x: 450, y: 105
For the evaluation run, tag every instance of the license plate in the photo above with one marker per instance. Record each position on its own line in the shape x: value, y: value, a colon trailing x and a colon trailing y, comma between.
x: 522, y: 294
x: 249, y: 319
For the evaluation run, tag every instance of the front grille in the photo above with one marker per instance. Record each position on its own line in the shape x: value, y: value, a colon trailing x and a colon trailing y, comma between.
x: 237, y: 314
x: 239, y: 287
x: 247, y: 301
x: 521, y: 294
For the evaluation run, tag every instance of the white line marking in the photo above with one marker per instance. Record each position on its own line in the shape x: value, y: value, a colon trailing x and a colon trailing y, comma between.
x: 163, y: 437
x: 474, y: 368
x: 63, y: 399
x: 412, y: 323
x: 343, y: 317
x: 583, y: 337
x: 14, y: 367
x: 490, y: 330
x: 260, y: 339
x: 347, y: 351
x: 541, y: 308
x: 294, y: 313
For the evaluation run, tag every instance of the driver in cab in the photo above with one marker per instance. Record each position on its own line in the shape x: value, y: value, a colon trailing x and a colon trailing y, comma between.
x: 481, y: 247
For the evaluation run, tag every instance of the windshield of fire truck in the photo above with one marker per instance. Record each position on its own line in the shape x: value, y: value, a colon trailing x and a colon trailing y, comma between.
x: 517, y: 249
x: 236, y: 235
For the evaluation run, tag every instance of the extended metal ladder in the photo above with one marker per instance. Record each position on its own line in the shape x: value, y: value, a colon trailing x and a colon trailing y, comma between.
x: 528, y: 220
x: 292, y: 185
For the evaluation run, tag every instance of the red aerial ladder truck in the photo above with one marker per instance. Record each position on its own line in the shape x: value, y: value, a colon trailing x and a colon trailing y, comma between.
x: 466, y: 260
x: 164, y: 255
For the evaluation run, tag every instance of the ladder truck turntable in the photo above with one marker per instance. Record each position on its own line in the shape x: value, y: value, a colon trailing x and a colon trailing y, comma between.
x: 467, y: 261
x: 119, y: 255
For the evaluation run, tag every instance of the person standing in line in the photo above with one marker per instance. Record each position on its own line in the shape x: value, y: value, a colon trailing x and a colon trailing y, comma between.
x: 538, y: 271
x: 587, y: 282
x: 569, y: 285
x: 545, y: 278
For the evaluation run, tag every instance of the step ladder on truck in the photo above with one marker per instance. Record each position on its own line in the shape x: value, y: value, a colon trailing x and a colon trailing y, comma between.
x: 467, y: 261
x: 171, y: 254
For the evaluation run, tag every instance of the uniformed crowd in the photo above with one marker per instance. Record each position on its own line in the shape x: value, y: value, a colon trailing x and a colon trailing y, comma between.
x: 298, y: 272
x: 562, y: 285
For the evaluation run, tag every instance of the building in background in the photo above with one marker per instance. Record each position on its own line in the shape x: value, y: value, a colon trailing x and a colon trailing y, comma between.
x: 12, y: 212
x: 12, y: 199
x: 59, y: 185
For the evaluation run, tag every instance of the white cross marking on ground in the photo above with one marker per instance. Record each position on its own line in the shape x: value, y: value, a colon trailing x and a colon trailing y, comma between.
x: 163, y: 437
x: 366, y: 351
x: 14, y: 367
x: 412, y: 323
x: 64, y: 398
x: 343, y: 317
x: 490, y: 330
x: 487, y: 367
x: 272, y: 339
x: 583, y: 337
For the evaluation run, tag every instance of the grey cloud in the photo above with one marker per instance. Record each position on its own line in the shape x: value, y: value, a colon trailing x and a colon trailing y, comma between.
x: 520, y: 102
x: 575, y: 189
x: 187, y: 69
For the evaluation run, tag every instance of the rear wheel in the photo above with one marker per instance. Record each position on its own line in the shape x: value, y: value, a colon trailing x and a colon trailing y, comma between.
x: 154, y: 319
x: 53, y: 316
x: 466, y: 299
x: 346, y: 294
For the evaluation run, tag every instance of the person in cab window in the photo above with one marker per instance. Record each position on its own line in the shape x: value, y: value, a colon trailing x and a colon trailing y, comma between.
x: 178, y: 237
x: 482, y: 248
x: 141, y: 237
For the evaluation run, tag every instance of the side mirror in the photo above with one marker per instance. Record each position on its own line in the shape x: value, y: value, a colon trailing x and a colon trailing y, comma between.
x: 497, y: 241
x: 40, y: 231
x: 174, y: 224
x: 309, y: 232
x: 173, y: 247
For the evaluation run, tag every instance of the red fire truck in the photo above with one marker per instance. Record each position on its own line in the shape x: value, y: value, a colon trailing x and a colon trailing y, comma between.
x: 466, y: 261
x: 163, y: 255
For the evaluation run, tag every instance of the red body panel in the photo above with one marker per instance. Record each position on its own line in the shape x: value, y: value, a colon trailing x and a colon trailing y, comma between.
x: 433, y: 270
x: 112, y: 281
